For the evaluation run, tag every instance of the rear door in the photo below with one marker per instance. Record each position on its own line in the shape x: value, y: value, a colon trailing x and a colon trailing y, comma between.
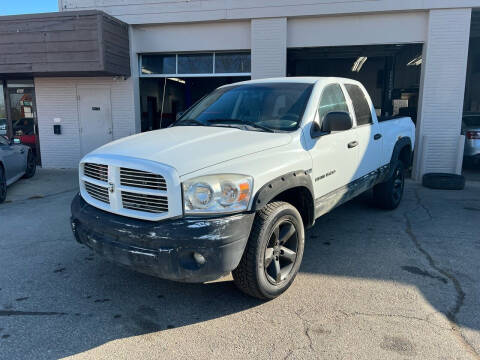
x: 334, y: 162
x: 368, y: 133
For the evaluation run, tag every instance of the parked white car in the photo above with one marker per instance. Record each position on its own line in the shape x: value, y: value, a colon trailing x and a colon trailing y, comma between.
x: 234, y: 183
x: 16, y: 161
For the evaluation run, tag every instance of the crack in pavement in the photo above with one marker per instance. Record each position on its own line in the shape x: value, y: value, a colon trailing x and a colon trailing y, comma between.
x: 306, y: 329
x: 408, y: 317
x: 460, y: 298
x: 30, y: 313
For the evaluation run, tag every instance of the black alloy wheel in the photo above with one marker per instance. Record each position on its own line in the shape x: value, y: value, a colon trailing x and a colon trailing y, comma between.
x: 398, y: 185
x: 389, y: 194
x: 274, y: 252
x: 281, y: 252
x: 3, y: 185
x: 31, y: 166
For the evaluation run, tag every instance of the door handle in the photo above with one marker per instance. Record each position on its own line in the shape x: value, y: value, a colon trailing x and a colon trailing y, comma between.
x: 377, y: 136
x: 352, y: 144
x: 22, y: 151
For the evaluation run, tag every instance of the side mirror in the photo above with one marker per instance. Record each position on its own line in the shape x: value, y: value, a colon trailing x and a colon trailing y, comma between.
x: 337, y: 121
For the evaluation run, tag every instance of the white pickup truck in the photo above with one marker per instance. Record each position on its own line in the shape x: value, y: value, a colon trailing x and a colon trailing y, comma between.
x: 233, y: 184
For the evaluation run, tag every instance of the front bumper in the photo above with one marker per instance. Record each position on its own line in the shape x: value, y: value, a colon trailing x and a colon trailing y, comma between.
x: 185, y: 249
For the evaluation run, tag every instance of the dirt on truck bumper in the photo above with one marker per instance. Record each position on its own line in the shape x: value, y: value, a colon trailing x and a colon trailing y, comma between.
x: 182, y: 249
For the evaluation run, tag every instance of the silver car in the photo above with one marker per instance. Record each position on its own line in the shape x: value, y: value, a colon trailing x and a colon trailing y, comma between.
x: 16, y: 161
x: 471, y: 130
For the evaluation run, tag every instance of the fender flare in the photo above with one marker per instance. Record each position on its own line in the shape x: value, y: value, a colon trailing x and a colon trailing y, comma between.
x: 399, y: 146
x: 295, y: 179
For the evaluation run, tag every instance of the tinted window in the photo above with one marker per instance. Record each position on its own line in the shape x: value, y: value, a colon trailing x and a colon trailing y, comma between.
x: 332, y: 100
x: 232, y: 62
x: 195, y: 63
x: 277, y: 106
x: 159, y: 64
x: 471, y: 120
x: 360, y: 104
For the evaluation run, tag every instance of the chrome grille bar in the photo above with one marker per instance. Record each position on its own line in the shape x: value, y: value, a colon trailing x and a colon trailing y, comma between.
x: 142, y: 179
x: 141, y: 202
x: 96, y: 171
x: 97, y: 192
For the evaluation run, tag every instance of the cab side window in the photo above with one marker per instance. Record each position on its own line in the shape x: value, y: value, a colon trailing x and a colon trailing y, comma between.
x: 360, y: 104
x: 3, y: 141
x: 332, y: 100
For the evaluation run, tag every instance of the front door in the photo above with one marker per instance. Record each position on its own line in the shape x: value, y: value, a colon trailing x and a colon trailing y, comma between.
x: 334, y: 162
x: 95, y: 117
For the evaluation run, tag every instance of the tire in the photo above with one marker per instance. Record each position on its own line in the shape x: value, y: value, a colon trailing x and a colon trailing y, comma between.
x: 31, y: 166
x: 3, y: 185
x: 388, y: 195
x: 444, y: 181
x: 277, y: 241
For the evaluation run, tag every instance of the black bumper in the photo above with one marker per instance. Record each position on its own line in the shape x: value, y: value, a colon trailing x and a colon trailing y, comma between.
x: 186, y: 249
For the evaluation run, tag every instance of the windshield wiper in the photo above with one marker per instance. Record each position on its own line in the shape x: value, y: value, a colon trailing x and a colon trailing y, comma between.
x: 241, y: 122
x: 188, y: 122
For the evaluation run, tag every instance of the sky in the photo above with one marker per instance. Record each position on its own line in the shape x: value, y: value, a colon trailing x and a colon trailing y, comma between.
x: 13, y: 7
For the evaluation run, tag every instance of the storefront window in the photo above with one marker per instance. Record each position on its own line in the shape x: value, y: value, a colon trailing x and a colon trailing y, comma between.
x: 232, y: 62
x: 195, y: 63
x: 3, y: 112
x: 226, y: 63
x: 159, y: 64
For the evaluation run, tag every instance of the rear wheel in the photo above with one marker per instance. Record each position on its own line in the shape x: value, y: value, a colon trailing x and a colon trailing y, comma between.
x: 31, y: 166
x: 388, y: 194
x: 3, y: 185
x: 274, y: 252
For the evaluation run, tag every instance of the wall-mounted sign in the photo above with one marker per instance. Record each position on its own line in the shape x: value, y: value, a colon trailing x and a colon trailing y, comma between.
x: 19, y: 91
x: 95, y: 108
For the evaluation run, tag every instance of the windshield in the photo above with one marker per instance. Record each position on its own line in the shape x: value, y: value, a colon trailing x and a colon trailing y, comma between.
x: 473, y: 120
x: 263, y: 106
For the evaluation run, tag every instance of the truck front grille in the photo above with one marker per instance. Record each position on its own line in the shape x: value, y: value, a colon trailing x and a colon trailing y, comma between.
x: 96, y: 171
x: 142, y: 179
x: 97, y: 192
x: 141, y: 202
x: 114, y: 185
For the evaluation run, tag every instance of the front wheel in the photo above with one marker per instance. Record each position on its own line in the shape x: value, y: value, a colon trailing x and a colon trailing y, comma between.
x: 273, y: 253
x: 31, y: 166
x: 3, y: 185
x: 388, y: 194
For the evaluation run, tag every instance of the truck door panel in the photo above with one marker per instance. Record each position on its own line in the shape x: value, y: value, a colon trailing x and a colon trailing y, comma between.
x: 334, y: 161
x: 368, y: 132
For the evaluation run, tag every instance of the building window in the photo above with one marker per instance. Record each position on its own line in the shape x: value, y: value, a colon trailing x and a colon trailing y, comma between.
x: 232, y: 63
x: 195, y: 64
x: 159, y: 64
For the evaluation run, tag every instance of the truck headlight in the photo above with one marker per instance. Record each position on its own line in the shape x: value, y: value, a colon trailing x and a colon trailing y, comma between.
x: 224, y: 193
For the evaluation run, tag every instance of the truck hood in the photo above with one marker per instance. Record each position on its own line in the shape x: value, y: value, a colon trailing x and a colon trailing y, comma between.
x: 191, y: 148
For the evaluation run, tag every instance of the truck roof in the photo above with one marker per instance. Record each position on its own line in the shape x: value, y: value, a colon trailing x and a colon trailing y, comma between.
x: 294, y: 79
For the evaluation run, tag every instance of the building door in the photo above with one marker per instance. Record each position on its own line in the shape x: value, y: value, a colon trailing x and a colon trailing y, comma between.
x: 95, y: 117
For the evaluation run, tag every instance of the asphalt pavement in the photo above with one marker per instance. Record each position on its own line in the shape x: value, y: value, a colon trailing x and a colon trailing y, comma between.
x: 373, y: 285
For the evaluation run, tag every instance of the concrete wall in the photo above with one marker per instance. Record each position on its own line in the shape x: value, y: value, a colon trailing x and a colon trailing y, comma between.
x: 57, y: 98
x: 439, y: 145
x: 269, y: 48
x: 167, y: 11
x: 391, y: 28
